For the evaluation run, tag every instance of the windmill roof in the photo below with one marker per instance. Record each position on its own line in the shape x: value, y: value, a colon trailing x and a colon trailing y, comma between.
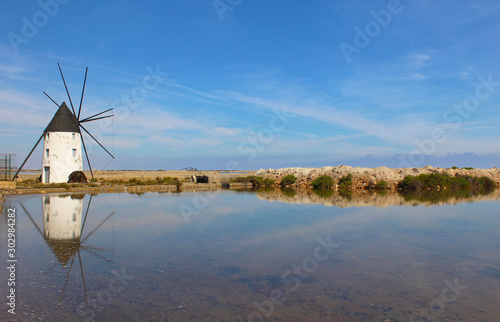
x: 63, y: 121
x: 64, y: 250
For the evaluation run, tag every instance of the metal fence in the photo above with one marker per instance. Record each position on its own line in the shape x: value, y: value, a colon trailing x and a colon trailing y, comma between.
x: 7, y: 166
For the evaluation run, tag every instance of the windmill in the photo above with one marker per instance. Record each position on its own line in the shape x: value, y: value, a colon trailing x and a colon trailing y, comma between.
x: 62, y: 150
x: 63, y: 232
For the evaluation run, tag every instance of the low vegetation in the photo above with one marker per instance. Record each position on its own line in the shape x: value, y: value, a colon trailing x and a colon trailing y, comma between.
x: 323, y: 182
x: 34, y: 183
x: 137, y: 182
x: 288, y: 180
x: 382, y: 184
x: 345, y: 182
x: 443, y: 180
x: 256, y: 180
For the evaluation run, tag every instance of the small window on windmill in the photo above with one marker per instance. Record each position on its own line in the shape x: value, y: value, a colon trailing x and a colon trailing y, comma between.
x: 47, y: 153
x: 74, y: 217
x: 47, y: 136
x: 73, y: 136
x: 74, y: 153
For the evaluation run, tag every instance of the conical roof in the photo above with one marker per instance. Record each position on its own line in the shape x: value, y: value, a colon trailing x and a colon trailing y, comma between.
x: 63, y: 121
x: 64, y: 249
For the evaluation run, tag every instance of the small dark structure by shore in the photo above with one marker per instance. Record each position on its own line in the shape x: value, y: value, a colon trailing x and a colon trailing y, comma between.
x: 200, y: 179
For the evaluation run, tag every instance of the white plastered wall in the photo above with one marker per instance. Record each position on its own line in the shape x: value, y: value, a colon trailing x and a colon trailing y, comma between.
x: 62, y: 217
x: 61, y: 159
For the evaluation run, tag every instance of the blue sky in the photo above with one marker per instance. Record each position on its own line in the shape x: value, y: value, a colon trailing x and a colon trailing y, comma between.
x: 259, y: 84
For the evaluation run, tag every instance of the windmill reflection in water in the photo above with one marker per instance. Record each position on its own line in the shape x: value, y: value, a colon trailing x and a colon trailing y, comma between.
x: 63, y: 231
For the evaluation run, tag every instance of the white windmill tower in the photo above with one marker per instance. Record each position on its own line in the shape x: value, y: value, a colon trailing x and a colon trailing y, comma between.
x: 62, y: 144
x: 62, y: 147
x: 62, y: 217
x: 63, y: 228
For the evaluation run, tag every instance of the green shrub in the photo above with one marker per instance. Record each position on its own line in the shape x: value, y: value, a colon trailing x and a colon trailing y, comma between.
x: 407, y: 183
x: 345, y: 182
x: 467, y: 168
x: 288, y: 180
x: 323, y: 182
x: 268, y: 182
x: 382, y: 184
x: 248, y: 179
x: 487, y: 183
x: 463, y: 183
x: 443, y: 180
x: 256, y: 180
x: 134, y: 181
x: 454, y: 168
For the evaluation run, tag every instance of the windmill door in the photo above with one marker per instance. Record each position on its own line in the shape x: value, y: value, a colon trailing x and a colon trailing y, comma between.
x: 46, y: 174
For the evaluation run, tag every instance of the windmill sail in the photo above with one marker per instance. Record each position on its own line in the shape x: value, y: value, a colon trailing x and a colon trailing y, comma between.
x: 63, y: 140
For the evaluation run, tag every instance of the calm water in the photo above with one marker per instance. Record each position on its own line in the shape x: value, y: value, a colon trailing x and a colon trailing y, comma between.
x: 239, y: 256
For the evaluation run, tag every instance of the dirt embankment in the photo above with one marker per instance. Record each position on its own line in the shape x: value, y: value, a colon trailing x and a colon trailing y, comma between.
x: 123, y: 175
x: 362, y: 177
x: 115, y: 181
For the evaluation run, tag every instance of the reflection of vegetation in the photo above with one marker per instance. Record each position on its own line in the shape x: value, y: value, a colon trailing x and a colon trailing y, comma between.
x: 382, y: 193
x: 345, y: 182
x: 261, y: 189
x: 289, y: 192
x: 435, y: 196
x: 348, y: 197
x: 443, y: 180
x: 346, y: 193
x: 323, y: 193
x: 288, y: 180
x: 323, y: 182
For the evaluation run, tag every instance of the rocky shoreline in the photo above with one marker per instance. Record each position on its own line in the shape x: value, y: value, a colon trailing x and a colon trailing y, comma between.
x: 364, y: 177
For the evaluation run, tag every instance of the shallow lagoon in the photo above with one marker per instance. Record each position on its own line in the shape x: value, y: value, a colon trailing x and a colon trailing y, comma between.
x: 235, y: 256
